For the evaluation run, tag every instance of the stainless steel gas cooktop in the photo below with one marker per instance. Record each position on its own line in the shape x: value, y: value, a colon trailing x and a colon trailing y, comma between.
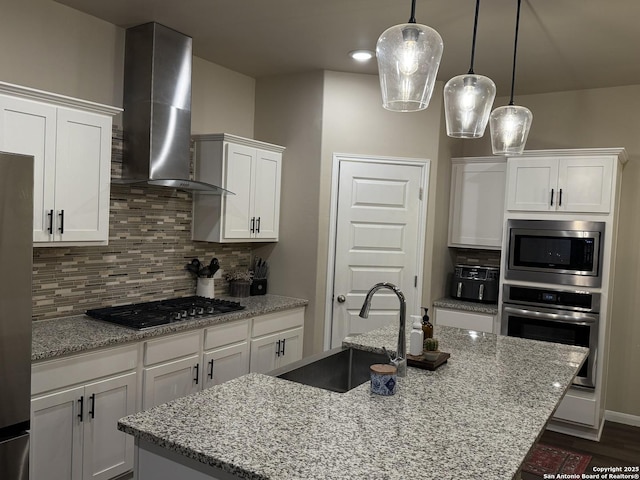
x: 141, y: 316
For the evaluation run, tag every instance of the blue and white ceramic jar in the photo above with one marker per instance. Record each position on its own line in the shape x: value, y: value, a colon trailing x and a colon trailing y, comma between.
x: 383, y: 379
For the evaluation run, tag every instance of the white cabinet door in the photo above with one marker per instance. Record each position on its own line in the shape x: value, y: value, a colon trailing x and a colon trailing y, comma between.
x: 276, y: 350
x: 252, y: 171
x: 264, y: 354
x: 72, y: 152
x: 29, y: 128
x: 108, y: 452
x: 225, y: 363
x: 290, y: 347
x: 55, y: 451
x: 267, y: 194
x: 477, y: 204
x: 531, y: 183
x: 584, y: 184
x: 239, y: 179
x: 171, y: 380
x: 83, y: 174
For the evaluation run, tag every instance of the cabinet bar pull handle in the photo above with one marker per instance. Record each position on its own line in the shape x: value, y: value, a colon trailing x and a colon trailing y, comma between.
x: 81, y: 404
x: 560, y: 199
x: 278, y: 348
x: 210, y: 374
x: 92, y: 412
x: 284, y: 340
x: 50, y: 215
x: 197, y: 369
x: 258, y: 225
x: 61, y: 222
x: 253, y: 224
x: 552, y: 197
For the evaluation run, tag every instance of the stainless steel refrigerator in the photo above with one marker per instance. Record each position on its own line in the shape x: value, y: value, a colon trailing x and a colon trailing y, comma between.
x: 16, y: 258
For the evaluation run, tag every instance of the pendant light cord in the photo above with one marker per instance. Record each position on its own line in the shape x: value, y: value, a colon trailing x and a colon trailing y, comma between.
x: 473, y: 42
x: 413, y: 12
x: 515, y: 49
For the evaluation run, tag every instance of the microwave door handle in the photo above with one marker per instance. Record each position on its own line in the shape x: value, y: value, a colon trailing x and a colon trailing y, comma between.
x: 584, y: 319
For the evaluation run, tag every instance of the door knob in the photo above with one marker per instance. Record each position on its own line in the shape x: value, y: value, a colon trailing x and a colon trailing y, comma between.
x: 341, y: 299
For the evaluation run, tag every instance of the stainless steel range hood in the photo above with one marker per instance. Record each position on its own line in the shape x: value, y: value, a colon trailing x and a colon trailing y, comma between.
x: 157, y: 109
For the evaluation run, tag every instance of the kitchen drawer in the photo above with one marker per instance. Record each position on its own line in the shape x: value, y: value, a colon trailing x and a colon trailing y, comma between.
x: 56, y: 374
x: 276, y: 322
x: 171, y: 347
x: 575, y: 408
x: 226, y: 334
x: 481, y: 322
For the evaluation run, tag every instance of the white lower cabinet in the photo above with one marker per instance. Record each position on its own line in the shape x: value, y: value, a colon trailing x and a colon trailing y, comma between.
x: 74, y: 431
x: 171, y: 368
x: 276, y: 340
x: 480, y: 322
x: 226, y: 352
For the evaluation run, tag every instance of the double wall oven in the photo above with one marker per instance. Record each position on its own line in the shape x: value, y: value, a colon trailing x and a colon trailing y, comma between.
x: 557, y: 259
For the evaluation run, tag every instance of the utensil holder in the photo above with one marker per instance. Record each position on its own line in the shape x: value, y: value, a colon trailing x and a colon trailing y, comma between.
x: 205, y: 288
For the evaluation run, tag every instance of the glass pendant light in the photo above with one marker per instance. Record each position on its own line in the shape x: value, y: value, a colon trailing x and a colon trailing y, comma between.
x: 408, y: 59
x: 468, y: 98
x: 510, y: 124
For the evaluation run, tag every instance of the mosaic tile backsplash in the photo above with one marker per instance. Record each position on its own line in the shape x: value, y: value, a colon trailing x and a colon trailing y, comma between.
x: 149, y: 246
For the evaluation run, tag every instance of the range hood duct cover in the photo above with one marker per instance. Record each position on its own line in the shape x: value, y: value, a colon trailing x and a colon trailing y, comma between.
x: 157, y: 109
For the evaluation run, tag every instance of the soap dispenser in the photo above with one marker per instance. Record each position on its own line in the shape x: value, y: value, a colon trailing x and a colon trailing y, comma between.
x: 416, y: 336
x: 427, y: 327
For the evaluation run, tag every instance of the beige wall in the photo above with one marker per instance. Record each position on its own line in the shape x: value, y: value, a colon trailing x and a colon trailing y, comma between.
x: 51, y: 47
x: 222, y: 100
x: 605, y: 117
x: 289, y: 112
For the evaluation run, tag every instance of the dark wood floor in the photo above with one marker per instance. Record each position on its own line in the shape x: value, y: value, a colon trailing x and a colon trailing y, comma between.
x: 619, y: 446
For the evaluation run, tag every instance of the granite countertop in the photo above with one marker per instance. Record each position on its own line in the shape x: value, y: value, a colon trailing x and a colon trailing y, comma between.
x: 477, y: 416
x: 63, y: 336
x: 455, y: 304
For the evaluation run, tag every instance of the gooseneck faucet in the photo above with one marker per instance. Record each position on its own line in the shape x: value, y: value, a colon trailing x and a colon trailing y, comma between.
x: 400, y: 360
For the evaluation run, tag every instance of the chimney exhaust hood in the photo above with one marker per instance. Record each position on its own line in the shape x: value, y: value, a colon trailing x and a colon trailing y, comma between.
x: 157, y: 110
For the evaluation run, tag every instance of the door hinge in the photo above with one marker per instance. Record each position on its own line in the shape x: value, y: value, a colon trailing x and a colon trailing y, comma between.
x: 415, y: 281
x: 420, y: 193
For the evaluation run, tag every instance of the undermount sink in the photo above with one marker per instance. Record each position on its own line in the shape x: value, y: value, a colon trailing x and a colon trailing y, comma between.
x: 338, y: 370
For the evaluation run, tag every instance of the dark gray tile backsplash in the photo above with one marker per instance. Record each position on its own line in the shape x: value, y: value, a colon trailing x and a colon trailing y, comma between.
x: 149, y: 246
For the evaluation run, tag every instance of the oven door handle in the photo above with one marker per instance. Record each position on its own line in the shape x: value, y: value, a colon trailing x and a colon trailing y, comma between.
x: 582, y: 319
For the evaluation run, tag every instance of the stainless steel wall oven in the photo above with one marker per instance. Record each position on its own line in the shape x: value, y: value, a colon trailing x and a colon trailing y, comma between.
x: 556, y: 252
x: 560, y: 316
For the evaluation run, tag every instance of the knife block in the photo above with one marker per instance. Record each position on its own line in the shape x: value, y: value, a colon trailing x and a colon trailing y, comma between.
x: 259, y: 286
x: 205, y: 287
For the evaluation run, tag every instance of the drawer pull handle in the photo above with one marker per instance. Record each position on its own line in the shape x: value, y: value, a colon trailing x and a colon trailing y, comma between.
x: 81, y: 405
x: 284, y: 340
x: 210, y: 374
x: 278, y: 348
x: 92, y: 412
x: 197, y: 369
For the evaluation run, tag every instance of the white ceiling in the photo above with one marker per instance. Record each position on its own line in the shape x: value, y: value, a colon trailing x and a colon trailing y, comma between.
x: 563, y: 44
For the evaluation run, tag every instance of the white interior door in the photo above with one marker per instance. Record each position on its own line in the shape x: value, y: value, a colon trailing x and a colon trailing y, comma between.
x: 379, y: 238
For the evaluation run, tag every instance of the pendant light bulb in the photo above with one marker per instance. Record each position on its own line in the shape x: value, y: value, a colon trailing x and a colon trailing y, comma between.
x: 408, y: 60
x: 510, y: 124
x: 468, y: 99
x: 510, y: 127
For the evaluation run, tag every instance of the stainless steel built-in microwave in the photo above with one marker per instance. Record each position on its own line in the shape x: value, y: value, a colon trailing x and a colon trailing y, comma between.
x: 556, y: 252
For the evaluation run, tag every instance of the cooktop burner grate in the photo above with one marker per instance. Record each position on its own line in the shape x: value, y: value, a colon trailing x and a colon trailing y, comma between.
x: 141, y: 316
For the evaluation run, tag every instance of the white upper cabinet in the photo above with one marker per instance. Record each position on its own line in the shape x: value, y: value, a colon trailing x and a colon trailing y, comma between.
x: 477, y: 202
x: 579, y: 181
x: 70, y: 141
x: 252, y: 171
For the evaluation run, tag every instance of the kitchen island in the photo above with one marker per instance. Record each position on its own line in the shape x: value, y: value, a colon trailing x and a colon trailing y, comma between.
x: 477, y: 416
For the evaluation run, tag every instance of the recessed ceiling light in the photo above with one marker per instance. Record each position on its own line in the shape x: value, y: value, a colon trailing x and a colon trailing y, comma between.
x: 361, y: 55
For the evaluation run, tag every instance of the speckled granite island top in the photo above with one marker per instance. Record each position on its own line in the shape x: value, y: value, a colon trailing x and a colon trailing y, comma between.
x: 63, y: 336
x: 476, y: 417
